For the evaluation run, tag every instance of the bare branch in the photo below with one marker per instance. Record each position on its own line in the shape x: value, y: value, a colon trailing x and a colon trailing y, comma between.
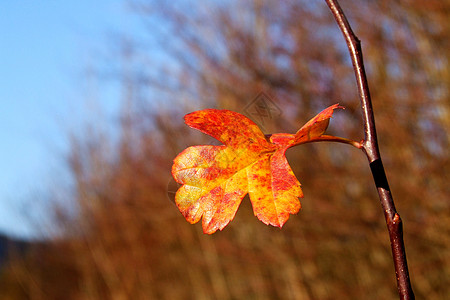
x: 370, y: 147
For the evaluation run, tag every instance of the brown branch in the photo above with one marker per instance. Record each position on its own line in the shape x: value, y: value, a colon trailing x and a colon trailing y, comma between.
x: 370, y: 147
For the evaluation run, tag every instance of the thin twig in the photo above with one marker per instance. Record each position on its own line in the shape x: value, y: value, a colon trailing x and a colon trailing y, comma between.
x: 370, y: 147
x: 336, y: 139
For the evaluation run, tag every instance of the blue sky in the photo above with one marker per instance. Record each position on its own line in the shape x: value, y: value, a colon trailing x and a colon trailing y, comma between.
x: 45, y: 46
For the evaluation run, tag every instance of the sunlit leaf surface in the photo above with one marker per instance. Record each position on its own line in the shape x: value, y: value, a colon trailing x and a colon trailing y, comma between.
x: 216, y: 178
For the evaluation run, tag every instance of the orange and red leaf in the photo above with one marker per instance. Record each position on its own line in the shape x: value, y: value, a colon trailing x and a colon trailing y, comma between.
x: 216, y: 178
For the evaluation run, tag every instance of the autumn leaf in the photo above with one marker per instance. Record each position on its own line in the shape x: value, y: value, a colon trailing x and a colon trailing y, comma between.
x: 216, y: 178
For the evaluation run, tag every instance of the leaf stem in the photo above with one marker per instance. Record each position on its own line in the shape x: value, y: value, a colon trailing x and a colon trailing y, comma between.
x: 332, y: 138
x: 370, y: 148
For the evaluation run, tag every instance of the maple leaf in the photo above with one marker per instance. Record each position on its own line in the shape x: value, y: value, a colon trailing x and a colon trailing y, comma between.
x: 216, y: 178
